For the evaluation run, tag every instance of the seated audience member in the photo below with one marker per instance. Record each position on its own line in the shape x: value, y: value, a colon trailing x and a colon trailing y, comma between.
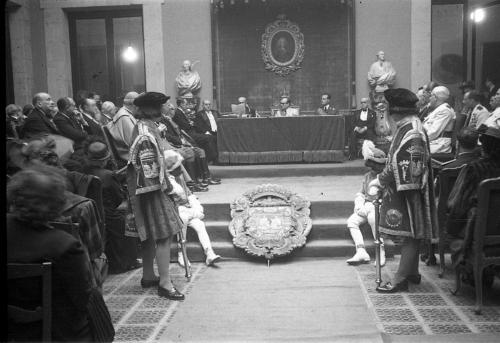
x: 36, y: 197
x: 364, y: 210
x: 194, y: 157
x: 40, y: 120
x: 120, y: 250
x: 439, y: 123
x: 70, y: 122
x: 27, y: 109
x: 14, y: 121
x: 364, y: 121
x: 285, y: 110
x: 491, y: 89
x: 463, y: 197
x: 205, y: 122
x: 326, y: 107
x: 207, y: 142
x: 494, y: 119
x: 122, y: 125
x: 475, y: 112
x: 91, y: 115
x: 97, y: 98
x: 467, y: 151
x: 249, y: 111
x: 191, y: 213
x: 108, y: 110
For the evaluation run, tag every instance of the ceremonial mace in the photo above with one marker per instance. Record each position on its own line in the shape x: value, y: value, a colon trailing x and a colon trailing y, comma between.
x: 378, y: 243
x: 182, y: 242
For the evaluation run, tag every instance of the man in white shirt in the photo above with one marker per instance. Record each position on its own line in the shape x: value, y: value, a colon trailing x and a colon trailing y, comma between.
x: 285, y: 110
x: 494, y: 119
x: 476, y: 113
x: 205, y: 122
x: 122, y: 125
x: 439, y: 123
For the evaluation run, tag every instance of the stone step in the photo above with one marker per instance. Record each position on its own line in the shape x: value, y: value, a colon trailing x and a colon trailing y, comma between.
x: 315, y: 248
x: 217, y: 211
x: 355, y: 167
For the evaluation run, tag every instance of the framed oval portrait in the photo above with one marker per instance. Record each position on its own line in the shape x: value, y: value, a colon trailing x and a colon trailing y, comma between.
x: 282, y: 46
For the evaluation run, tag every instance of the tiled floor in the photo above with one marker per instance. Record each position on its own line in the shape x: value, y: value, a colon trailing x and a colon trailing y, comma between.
x: 139, y: 315
x: 430, y: 308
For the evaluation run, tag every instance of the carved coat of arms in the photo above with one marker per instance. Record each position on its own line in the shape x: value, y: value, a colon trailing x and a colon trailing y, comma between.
x: 270, y: 221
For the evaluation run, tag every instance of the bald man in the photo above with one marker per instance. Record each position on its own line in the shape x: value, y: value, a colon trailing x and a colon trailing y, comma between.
x: 122, y: 125
x: 248, y: 110
x: 40, y: 120
x: 439, y: 123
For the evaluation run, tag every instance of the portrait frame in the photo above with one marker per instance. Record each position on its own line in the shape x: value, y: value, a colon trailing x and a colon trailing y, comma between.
x: 282, y: 46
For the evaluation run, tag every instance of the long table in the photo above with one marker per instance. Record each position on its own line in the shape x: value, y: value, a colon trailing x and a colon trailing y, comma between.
x: 281, y: 139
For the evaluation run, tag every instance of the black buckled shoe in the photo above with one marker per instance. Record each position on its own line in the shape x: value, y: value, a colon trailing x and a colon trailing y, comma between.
x: 416, y: 278
x: 174, y: 294
x: 149, y: 283
x: 389, y: 288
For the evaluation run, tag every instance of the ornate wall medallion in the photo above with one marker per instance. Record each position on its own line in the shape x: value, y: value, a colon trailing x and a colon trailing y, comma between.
x: 270, y: 221
x: 282, y: 46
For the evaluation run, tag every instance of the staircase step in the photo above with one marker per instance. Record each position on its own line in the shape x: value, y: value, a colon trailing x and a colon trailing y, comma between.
x: 355, y: 167
x: 315, y: 248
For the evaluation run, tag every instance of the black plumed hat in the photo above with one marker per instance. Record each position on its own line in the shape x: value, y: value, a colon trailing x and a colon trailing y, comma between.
x: 151, y: 99
x: 401, y: 100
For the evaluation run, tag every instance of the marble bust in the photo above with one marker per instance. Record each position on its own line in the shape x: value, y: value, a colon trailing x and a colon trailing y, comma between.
x: 188, y: 80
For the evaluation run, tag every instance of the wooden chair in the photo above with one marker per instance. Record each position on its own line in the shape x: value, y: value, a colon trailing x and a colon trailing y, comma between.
x: 41, y: 313
x: 484, y: 236
x: 446, y: 180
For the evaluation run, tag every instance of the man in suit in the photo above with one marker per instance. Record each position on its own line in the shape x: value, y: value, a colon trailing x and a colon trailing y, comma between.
x: 206, y: 142
x: 89, y: 110
x: 69, y: 122
x: 468, y: 149
x: 440, y: 122
x: 205, y: 123
x: 364, y: 121
x: 250, y: 112
x: 40, y: 120
x: 285, y: 110
x: 326, y: 108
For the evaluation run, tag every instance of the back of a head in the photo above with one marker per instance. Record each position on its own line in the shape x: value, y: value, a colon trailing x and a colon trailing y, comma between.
x: 63, y: 104
x: 27, y: 109
x: 475, y: 95
x: 36, y: 194
x: 467, y: 138
x: 12, y: 109
x: 129, y: 98
x: 107, y: 106
x: 441, y: 92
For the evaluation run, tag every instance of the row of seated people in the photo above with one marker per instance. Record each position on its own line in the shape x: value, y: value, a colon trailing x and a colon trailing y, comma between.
x: 195, y: 138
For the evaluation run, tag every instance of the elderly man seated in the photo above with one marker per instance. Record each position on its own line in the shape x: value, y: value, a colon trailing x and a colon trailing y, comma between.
x: 439, y: 123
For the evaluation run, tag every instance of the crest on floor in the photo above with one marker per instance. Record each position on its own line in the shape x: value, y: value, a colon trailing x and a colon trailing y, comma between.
x: 270, y: 220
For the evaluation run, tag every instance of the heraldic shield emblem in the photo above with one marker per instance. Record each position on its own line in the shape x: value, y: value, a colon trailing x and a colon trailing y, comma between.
x: 270, y: 221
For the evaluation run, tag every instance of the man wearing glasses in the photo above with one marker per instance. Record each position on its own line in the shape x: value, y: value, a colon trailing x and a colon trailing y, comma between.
x: 285, y: 110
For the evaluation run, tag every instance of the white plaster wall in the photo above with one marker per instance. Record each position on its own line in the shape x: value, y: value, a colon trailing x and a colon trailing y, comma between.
x: 187, y: 35
x: 420, y: 43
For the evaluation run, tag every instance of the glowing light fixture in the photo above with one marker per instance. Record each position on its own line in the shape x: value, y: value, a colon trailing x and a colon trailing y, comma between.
x: 478, y: 15
x: 130, y: 54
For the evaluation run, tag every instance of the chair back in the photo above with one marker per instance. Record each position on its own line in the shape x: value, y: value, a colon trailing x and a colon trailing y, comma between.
x: 447, y: 178
x: 41, y: 313
x: 487, y: 228
x: 112, y: 147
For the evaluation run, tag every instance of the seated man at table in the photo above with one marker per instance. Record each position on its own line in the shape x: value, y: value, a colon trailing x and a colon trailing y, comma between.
x: 326, y: 107
x: 285, y: 110
x: 249, y: 111
x: 205, y: 123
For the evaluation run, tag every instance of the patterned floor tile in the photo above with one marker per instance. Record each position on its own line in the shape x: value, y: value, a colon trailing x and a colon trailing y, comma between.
x: 388, y: 300
x: 488, y: 314
x: 404, y: 329
x: 146, y: 316
x: 395, y: 315
x: 116, y: 315
x: 488, y: 328
x: 424, y: 287
x: 154, y: 302
x: 133, y: 333
x: 433, y: 315
x: 449, y: 328
x: 134, y: 289
x: 121, y: 302
x: 427, y: 300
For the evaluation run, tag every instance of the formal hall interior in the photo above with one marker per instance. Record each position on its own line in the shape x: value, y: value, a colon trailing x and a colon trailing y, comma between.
x: 252, y: 170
